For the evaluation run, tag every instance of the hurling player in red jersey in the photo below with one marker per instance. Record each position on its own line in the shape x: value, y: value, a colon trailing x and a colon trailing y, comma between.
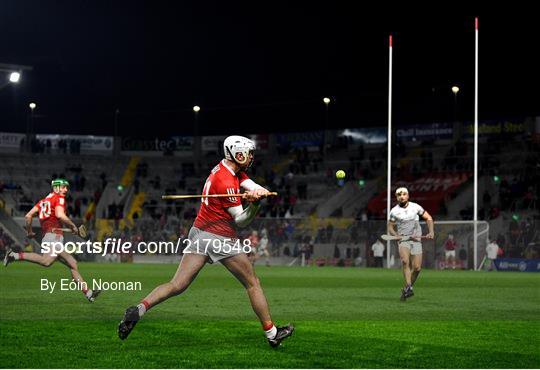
x: 52, y: 214
x: 213, y: 238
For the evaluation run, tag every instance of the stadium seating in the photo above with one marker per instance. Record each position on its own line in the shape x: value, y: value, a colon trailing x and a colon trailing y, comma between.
x: 310, y: 197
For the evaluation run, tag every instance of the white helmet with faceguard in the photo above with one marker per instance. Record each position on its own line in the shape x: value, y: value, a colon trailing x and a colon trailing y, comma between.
x: 234, y: 145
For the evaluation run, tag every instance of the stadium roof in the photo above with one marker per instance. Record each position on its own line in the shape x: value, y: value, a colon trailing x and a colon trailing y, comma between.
x: 254, y: 69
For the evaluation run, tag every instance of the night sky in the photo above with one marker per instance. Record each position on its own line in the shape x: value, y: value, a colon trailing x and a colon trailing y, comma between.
x: 255, y: 69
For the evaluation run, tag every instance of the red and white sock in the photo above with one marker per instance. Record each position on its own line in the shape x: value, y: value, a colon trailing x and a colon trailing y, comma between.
x: 87, y: 292
x: 17, y: 256
x: 143, y: 307
x: 270, y: 330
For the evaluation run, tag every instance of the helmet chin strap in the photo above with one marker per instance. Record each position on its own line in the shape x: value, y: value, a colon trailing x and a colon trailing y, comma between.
x: 250, y: 164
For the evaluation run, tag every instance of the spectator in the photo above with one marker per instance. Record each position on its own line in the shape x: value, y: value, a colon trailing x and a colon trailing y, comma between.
x: 337, y: 253
x: 492, y: 250
x: 305, y: 251
x: 378, y: 252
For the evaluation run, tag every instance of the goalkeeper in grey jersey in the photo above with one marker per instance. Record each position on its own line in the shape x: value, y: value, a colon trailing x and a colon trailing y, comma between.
x: 406, y: 216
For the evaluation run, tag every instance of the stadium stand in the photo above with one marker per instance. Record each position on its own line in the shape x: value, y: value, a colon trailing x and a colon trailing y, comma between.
x: 328, y: 221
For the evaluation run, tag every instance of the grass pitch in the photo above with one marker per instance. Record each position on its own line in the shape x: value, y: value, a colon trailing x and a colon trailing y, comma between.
x: 344, y: 317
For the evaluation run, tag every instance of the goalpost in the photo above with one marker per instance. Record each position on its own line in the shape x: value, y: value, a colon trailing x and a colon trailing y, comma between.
x: 476, y: 225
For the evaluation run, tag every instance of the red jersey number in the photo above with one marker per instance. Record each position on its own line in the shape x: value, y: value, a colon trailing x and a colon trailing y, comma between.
x: 206, y: 191
x: 44, y: 210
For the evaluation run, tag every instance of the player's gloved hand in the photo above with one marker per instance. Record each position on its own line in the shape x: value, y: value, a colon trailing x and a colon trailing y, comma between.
x: 31, y: 235
x: 74, y: 229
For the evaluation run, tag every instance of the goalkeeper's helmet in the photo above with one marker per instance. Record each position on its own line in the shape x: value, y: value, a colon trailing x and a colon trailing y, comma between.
x: 234, y: 145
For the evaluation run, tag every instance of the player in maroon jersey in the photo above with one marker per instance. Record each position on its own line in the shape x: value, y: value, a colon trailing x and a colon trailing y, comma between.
x: 450, y: 246
x: 213, y: 238
x: 51, y: 211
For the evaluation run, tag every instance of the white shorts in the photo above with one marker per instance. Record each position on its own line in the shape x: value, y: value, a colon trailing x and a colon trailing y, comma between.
x: 216, y: 247
x: 52, y: 238
x: 414, y: 246
x: 450, y: 254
